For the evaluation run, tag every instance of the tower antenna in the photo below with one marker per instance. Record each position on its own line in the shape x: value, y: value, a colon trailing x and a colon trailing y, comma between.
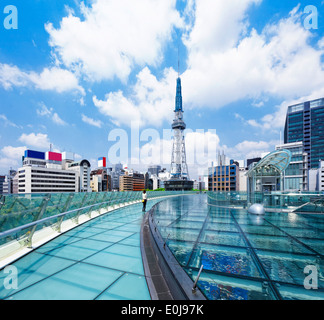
x: 178, y: 57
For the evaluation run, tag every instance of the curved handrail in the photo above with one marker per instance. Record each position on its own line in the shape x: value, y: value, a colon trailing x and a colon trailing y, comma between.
x: 40, y: 221
x: 114, y: 200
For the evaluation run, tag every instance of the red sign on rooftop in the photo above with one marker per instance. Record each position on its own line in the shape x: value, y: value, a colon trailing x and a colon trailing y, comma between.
x: 53, y: 156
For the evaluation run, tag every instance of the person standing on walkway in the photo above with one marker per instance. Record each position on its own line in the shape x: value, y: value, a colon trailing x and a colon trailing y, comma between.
x: 144, y: 197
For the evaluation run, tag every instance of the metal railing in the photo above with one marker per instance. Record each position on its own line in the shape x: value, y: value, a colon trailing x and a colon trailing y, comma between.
x: 305, y: 202
x: 23, y: 216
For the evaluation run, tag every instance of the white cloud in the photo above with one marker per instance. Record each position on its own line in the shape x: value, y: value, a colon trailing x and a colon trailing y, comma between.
x: 38, y: 140
x: 12, y: 76
x: 113, y: 36
x: 150, y: 103
x: 250, y: 149
x: 7, y: 122
x: 11, y: 157
x: 278, y: 62
x: 7, y: 163
x: 56, y: 119
x: 13, y: 152
x: 218, y: 25
x: 44, y: 111
x: 56, y: 79
x: 92, y: 122
x: 226, y: 65
x: 53, y: 79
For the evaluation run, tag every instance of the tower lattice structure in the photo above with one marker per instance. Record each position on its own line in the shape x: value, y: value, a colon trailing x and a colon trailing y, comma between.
x: 179, y: 167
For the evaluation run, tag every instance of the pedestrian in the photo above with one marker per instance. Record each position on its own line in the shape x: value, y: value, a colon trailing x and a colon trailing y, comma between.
x: 144, y: 200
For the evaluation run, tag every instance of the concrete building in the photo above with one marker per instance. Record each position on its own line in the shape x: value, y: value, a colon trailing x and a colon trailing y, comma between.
x: 15, y: 183
x: 199, y: 185
x: 126, y: 183
x: 316, y: 178
x: 43, y: 180
x: 156, y: 182
x: 242, y: 179
x: 132, y: 182
x: 8, y: 183
x: 82, y: 169
x: 313, y: 180
x: 296, y: 175
x: 321, y: 176
x: 100, y: 180
x: 138, y: 181
x: 52, y: 172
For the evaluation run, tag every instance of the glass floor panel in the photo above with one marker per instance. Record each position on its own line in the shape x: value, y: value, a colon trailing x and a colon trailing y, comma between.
x: 245, y: 257
x: 100, y: 259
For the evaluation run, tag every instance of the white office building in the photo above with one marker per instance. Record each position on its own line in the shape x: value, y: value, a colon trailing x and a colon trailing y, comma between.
x: 242, y: 179
x: 316, y: 178
x: 321, y: 176
x: 296, y: 175
x: 52, y: 172
x: 82, y: 169
x: 43, y: 180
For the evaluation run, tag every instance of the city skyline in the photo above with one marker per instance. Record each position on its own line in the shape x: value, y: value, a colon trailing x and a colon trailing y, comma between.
x: 72, y: 73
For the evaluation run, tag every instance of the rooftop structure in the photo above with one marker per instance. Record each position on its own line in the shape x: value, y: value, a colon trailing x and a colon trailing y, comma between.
x: 268, y: 174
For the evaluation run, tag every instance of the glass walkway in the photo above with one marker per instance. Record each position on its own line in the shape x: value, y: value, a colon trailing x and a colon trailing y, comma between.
x: 244, y: 257
x: 100, y: 259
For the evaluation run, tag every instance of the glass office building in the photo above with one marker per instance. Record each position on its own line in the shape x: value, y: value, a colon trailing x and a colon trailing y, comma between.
x: 305, y: 122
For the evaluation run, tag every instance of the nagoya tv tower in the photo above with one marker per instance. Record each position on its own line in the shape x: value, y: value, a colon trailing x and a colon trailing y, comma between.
x: 179, y: 169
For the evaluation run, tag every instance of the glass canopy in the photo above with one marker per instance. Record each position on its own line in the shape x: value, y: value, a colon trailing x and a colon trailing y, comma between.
x: 277, y: 161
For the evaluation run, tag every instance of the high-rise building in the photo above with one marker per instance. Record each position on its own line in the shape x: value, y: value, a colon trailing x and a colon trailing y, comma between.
x: 224, y: 177
x: 179, y: 169
x: 154, y: 170
x: 305, y: 122
x: 250, y: 161
x: 116, y: 172
x: 2, y: 181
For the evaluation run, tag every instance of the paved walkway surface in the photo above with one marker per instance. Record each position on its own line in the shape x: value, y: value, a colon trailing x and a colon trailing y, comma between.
x: 100, y: 259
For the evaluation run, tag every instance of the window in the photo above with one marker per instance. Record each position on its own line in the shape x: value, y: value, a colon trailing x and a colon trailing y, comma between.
x: 317, y: 103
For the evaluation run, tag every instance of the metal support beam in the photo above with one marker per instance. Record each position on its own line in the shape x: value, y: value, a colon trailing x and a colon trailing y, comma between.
x: 40, y: 215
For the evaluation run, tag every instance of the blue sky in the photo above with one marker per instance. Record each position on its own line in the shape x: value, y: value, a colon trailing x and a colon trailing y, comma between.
x: 73, y: 72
